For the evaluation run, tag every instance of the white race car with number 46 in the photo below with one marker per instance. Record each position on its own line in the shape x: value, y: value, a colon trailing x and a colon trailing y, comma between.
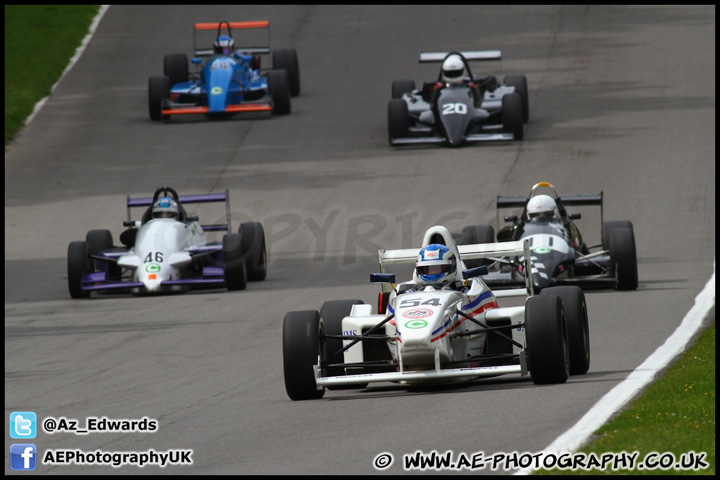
x: 425, y: 333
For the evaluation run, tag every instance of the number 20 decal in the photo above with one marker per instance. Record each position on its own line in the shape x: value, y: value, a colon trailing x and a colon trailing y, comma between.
x: 451, y: 108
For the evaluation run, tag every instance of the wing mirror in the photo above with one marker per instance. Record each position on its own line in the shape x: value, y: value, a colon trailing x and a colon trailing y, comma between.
x: 475, y: 272
x: 382, y: 278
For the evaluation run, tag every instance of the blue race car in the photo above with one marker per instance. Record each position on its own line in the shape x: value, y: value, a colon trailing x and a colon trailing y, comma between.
x: 229, y: 82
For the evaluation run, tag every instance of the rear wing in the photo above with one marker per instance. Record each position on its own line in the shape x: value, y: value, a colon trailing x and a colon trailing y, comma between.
x: 188, y: 199
x: 229, y: 27
x: 428, y: 57
x: 520, y: 248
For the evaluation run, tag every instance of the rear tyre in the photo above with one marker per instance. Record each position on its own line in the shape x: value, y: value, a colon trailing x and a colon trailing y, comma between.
x: 253, y: 241
x: 78, y: 265
x: 624, y: 257
x: 301, y: 350
x: 279, y: 92
x: 402, y: 86
x: 331, y: 317
x: 234, y: 262
x: 608, y: 227
x: 546, y: 336
x: 287, y: 59
x: 521, y: 88
x: 175, y: 67
x: 512, y: 115
x: 398, y: 119
x: 479, y: 234
x: 158, y: 93
x: 576, y: 320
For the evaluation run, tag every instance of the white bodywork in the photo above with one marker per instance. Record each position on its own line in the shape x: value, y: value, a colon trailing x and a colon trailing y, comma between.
x: 427, y: 333
x: 161, y: 252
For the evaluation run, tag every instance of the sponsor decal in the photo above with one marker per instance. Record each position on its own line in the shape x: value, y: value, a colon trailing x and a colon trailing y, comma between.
x: 418, y: 313
x: 415, y: 324
x: 542, y: 250
x: 216, y: 91
x: 152, y: 268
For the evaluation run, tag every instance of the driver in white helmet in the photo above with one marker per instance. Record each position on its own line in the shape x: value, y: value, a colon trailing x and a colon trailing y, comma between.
x: 542, y: 206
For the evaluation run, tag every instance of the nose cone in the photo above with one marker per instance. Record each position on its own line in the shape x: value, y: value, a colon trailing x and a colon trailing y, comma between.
x: 151, y: 275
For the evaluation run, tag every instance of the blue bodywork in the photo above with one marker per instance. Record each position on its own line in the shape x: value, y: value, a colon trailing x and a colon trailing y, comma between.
x: 224, y: 80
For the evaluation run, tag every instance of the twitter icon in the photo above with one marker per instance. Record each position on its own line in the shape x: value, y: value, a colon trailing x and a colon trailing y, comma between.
x: 23, y: 425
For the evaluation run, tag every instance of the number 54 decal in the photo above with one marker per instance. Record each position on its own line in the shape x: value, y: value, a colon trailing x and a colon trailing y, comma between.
x: 451, y: 108
x: 414, y: 302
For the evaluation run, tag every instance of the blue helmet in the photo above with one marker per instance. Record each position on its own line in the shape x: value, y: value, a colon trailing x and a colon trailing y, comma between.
x: 436, y: 264
x: 165, y: 208
x: 223, y: 45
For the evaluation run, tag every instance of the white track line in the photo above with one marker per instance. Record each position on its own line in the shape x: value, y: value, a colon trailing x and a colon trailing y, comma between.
x: 625, y: 391
x: 78, y: 52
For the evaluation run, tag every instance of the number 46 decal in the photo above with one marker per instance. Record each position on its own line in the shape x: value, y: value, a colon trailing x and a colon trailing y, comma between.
x: 450, y: 108
x: 158, y: 258
x: 414, y: 302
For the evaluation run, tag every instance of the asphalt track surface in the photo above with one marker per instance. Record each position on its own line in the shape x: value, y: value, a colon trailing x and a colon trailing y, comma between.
x: 622, y: 101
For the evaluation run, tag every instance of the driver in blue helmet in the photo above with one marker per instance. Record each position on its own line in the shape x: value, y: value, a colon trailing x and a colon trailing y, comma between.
x: 435, y: 265
x: 223, y: 45
x: 165, y: 208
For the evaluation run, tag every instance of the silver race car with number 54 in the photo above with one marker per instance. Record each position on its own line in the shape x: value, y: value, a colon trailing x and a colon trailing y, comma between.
x: 166, y: 251
x: 444, y: 325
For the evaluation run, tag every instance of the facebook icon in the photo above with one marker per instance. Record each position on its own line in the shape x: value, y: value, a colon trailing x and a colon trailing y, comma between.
x: 23, y: 456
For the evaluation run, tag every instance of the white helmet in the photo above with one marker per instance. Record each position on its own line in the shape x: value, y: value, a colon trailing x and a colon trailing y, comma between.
x: 542, y: 206
x: 436, y: 264
x: 453, y: 68
x: 165, y: 208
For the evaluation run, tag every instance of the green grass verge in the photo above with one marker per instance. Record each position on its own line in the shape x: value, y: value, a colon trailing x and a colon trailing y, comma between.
x: 675, y: 414
x: 39, y: 42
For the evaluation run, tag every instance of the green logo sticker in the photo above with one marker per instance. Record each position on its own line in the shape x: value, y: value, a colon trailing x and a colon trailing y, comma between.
x: 542, y: 250
x: 152, y: 268
x: 416, y: 324
x: 216, y: 91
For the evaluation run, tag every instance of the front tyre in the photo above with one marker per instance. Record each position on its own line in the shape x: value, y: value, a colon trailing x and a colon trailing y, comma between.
x: 253, y: 241
x: 576, y: 320
x: 234, y: 262
x: 546, y: 336
x: 624, y: 257
x: 78, y: 265
x: 158, y: 94
x: 279, y: 92
x: 512, y: 115
x: 398, y: 119
x: 521, y: 88
x: 301, y: 351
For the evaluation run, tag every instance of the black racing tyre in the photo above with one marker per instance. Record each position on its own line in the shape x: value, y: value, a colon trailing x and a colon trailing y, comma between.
x: 624, y: 257
x: 234, y: 262
x: 608, y: 227
x: 78, y: 264
x: 158, y: 92
x: 402, y: 86
x: 99, y: 240
x: 175, y: 67
x: 287, y: 59
x: 512, y: 116
x: 279, y: 91
x: 331, y: 316
x: 301, y: 348
x: 546, y: 336
x: 521, y: 88
x: 576, y: 321
x: 479, y: 234
x: 253, y: 241
x: 398, y: 119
